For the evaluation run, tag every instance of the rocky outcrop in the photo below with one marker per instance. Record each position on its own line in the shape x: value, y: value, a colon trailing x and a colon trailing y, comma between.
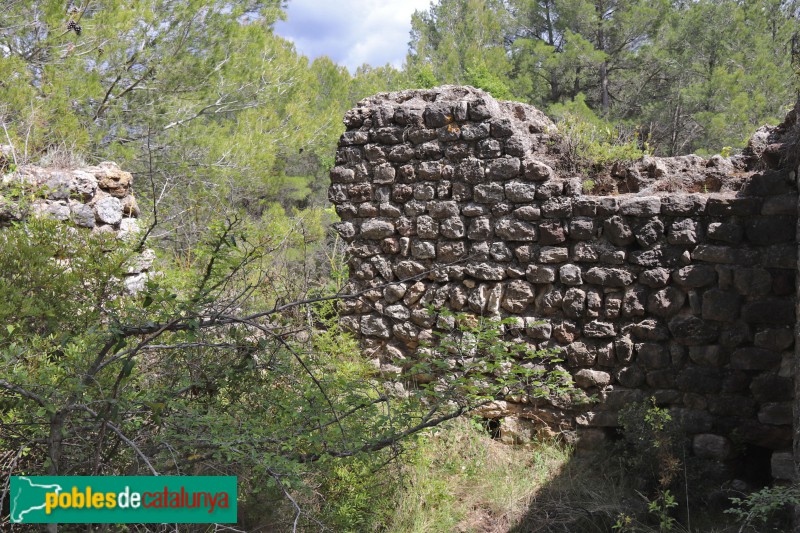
x: 451, y: 199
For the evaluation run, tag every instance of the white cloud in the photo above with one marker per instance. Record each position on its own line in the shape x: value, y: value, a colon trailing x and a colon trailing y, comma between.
x: 352, y: 32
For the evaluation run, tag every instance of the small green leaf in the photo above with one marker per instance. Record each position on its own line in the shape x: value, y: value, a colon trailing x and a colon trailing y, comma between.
x: 128, y: 367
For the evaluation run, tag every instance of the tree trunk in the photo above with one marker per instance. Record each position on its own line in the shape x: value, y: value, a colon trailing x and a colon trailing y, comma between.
x: 796, y: 410
x: 604, y: 87
x: 601, y: 45
x: 54, y: 442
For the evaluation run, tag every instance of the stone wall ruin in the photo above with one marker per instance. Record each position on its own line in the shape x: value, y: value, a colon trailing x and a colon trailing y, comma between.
x: 451, y: 198
x: 96, y: 198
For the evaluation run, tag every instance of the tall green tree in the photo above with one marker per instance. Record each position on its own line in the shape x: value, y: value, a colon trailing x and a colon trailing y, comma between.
x: 461, y: 42
x: 720, y: 70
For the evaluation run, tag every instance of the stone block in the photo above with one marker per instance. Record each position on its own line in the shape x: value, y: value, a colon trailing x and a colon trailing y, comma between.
x: 653, y: 356
x: 710, y: 446
x: 776, y: 413
x: 515, y: 230
x: 693, y: 331
x: 609, y: 277
x: 695, y: 276
x: 630, y: 376
x: 540, y: 274
x: 666, y: 302
x: 769, y: 312
x: 641, y: 206
x: 720, y: 305
x: 598, y: 329
x: 655, y: 278
x: 552, y: 254
x: 771, y: 229
x: 775, y: 339
x: 570, y: 275
x: 782, y: 466
x: 586, y: 378
x: 770, y: 387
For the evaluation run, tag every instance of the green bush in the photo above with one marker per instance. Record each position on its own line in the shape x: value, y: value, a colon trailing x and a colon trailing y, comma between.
x: 590, y: 142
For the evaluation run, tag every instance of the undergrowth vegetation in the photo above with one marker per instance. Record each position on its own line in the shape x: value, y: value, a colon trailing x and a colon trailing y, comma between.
x: 459, y: 479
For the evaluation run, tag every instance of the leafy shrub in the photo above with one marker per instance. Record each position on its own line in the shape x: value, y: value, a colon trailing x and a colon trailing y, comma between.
x: 590, y: 142
x: 760, y: 507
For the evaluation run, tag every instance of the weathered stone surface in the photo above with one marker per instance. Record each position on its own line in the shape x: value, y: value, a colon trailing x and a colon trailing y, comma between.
x: 631, y: 376
x: 550, y: 254
x: 752, y: 358
x: 617, y: 231
x: 582, y: 228
x: 666, y: 302
x: 570, y: 275
x: 515, y: 230
x: 486, y: 271
x: 574, y: 303
x: 752, y: 281
x: 609, y: 277
x: 551, y: 233
x: 653, y: 356
x: 82, y: 215
x: 683, y: 232
x: 778, y: 413
x: 536, y: 170
x: 649, y: 233
x: 710, y: 446
x: 376, y: 229
x: 397, y: 312
x: 721, y: 305
x: 375, y: 326
x: 642, y: 206
x: 633, y: 302
x: 488, y: 193
x: 108, y: 210
x: 655, y: 278
x: 702, y: 380
x: 538, y: 329
x: 683, y: 205
x: 599, y: 329
x: 586, y: 378
x: 578, y: 354
x: 725, y: 232
x: 732, y: 206
x: 517, y: 296
x: 520, y: 191
x: 660, y: 256
x: 692, y: 330
x: 557, y: 208
x: 540, y: 274
x: 440, y: 210
x: 770, y: 230
x: 452, y: 228
x: 775, y: 339
x: 717, y: 254
x: 782, y: 466
x: 695, y: 276
x: 769, y: 312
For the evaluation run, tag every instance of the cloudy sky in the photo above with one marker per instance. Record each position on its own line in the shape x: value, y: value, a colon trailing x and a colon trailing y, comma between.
x: 351, y: 32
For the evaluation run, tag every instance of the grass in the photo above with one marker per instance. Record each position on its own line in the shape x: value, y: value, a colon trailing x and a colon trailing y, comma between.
x: 461, y: 480
x: 458, y: 479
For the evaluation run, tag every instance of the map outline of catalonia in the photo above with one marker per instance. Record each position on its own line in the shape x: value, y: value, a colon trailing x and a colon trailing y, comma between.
x: 15, y: 516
